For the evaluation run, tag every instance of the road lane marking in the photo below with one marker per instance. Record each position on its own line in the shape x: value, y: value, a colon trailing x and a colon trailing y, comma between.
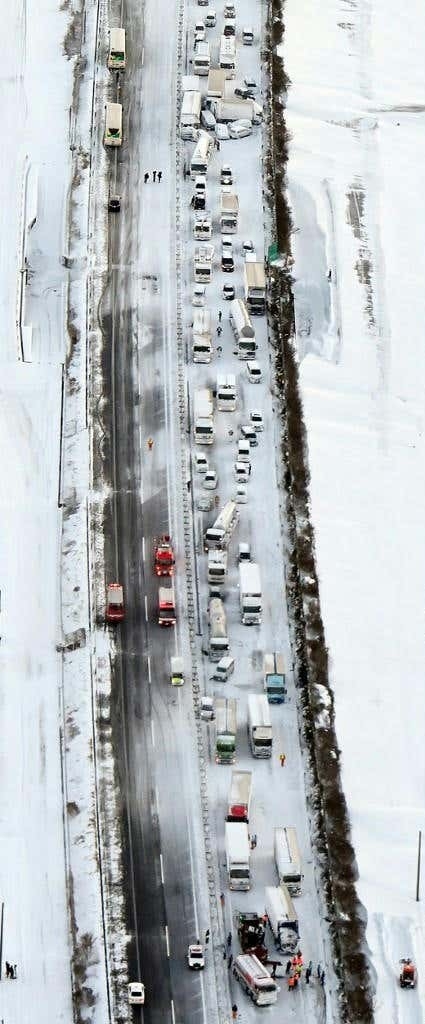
x: 167, y: 941
x: 161, y: 864
x: 149, y: 670
x: 143, y: 549
x: 172, y: 1012
x: 152, y: 733
x: 146, y: 607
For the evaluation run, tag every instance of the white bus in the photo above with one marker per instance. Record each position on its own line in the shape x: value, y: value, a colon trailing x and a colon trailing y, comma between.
x: 116, y: 58
x: 228, y: 55
x: 201, y: 59
x: 113, y: 124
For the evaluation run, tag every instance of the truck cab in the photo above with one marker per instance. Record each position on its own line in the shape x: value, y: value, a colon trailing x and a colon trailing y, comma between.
x: 164, y: 556
x: 166, y: 606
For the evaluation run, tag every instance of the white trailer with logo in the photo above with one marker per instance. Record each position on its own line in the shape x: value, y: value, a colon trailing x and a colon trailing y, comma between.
x: 229, y: 211
x: 226, y: 392
x: 250, y: 596
x: 288, y: 859
x: 260, y: 732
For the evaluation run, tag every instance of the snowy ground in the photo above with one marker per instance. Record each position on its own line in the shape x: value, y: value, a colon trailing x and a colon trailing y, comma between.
x: 356, y: 117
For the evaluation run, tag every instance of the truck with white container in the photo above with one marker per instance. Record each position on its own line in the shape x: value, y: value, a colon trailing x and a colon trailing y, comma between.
x: 226, y: 396
x: 237, y: 855
x: 240, y: 796
x: 203, y: 263
x: 190, y: 114
x: 243, y: 330
x: 227, y: 56
x: 250, y: 596
x: 203, y: 416
x: 218, y: 644
x: 201, y: 336
x: 255, y: 287
x: 283, y: 918
x: 218, y: 535
x: 201, y: 59
x: 225, y: 730
x: 226, y: 110
x: 260, y: 732
x: 274, y: 678
x: 202, y: 226
x: 217, y: 569
x: 255, y: 979
x: 288, y: 859
x: 229, y: 211
x: 201, y: 155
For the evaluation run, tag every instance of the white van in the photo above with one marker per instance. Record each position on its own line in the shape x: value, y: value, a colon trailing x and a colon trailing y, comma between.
x: 247, y: 36
x: 239, y: 130
x: 210, y: 19
x: 254, y: 371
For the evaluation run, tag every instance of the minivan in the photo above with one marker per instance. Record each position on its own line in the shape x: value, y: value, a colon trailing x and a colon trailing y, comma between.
x: 244, y: 552
x: 200, y: 32
x: 227, y: 262
x: 210, y: 19
x: 229, y: 27
x: 243, y: 451
x: 254, y: 371
x: 226, y: 176
x: 247, y: 36
x: 229, y: 10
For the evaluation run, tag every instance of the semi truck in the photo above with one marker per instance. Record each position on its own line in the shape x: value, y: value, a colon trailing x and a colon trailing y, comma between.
x: 202, y: 227
x: 274, y: 678
x: 243, y: 330
x: 255, y: 287
x: 255, y: 979
x: 203, y: 416
x: 218, y: 535
x: 250, y: 597
x: 217, y: 568
x: 239, y: 796
x: 288, y: 859
x: 227, y: 56
x: 282, y: 917
x: 225, y: 730
x: 201, y: 155
x: 237, y: 855
x: 260, y: 733
x: 166, y: 606
x: 218, y: 640
x: 226, y: 392
x: 201, y: 336
x: 201, y: 58
x: 203, y: 263
x: 233, y: 110
x: 229, y: 211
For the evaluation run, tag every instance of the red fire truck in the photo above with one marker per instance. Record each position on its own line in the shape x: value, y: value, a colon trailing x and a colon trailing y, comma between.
x: 166, y: 606
x: 115, y: 610
x: 163, y: 556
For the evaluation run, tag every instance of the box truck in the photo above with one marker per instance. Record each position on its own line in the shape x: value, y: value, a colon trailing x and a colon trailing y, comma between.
x: 225, y: 730
x: 255, y: 287
x: 237, y: 855
x: 219, y: 534
x: 260, y: 734
x: 274, y: 678
x: 229, y: 210
x: 203, y: 416
x: 217, y: 623
x: 243, y: 330
x: 250, y: 597
x: 239, y: 796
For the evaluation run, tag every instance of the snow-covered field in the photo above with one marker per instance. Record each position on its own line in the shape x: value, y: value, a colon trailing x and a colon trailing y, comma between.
x: 356, y: 117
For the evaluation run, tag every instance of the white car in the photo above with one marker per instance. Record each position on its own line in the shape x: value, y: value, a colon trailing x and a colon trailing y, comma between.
x: 250, y: 84
x: 210, y: 480
x: 226, y: 175
x: 254, y: 371
x: 136, y: 993
x: 195, y: 953
x: 239, y: 130
x: 210, y: 19
x: 242, y: 472
x: 256, y: 418
x: 201, y: 462
x: 198, y: 295
x: 221, y: 132
x: 200, y: 34
x: 228, y: 291
x: 248, y: 246
x: 241, y: 495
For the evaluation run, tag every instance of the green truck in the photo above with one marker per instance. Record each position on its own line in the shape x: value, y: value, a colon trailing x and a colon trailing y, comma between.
x: 225, y: 730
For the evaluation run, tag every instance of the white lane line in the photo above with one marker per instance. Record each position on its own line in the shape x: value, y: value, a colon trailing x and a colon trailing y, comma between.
x: 167, y: 940
x: 172, y: 1012
x: 161, y: 864
x: 143, y: 56
x: 149, y: 670
x: 143, y: 549
x: 146, y: 607
x: 152, y: 733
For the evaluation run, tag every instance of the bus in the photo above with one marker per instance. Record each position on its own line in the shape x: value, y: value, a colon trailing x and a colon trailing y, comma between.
x: 227, y: 59
x: 113, y: 124
x: 116, y: 58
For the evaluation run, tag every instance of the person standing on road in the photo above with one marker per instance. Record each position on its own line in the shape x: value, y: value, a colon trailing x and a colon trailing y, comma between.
x: 308, y: 973
x: 230, y: 961
x: 288, y: 967
x: 229, y: 940
x: 282, y: 759
x: 219, y: 316
x: 159, y: 175
x: 146, y: 177
x: 322, y: 978
x: 207, y: 936
x: 154, y: 175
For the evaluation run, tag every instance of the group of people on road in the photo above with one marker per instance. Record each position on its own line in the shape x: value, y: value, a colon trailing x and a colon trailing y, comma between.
x: 156, y: 176
x: 294, y: 969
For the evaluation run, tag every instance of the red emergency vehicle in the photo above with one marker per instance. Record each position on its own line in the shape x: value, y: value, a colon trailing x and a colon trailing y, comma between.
x: 166, y: 606
x: 115, y: 610
x: 164, y: 556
